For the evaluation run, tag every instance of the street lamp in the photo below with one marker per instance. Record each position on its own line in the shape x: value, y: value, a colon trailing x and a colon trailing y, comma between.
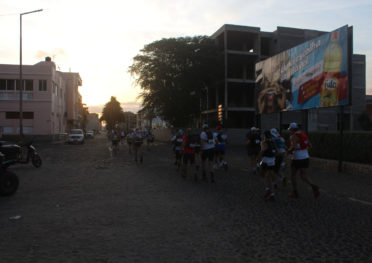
x: 20, y: 73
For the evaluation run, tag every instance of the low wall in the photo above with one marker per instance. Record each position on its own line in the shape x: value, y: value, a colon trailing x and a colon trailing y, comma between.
x: 347, y: 167
x: 237, y: 137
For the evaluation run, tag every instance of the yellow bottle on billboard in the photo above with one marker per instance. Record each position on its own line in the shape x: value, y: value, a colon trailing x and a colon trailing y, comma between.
x: 331, y: 73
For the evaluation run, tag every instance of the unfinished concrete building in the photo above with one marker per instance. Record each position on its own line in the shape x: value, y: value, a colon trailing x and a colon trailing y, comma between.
x: 243, y: 47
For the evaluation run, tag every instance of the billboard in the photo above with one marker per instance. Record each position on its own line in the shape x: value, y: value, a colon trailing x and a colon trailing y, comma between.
x: 311, y: 75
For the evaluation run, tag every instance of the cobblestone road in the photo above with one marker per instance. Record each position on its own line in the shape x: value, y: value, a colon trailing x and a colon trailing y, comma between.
x: 83, y: 205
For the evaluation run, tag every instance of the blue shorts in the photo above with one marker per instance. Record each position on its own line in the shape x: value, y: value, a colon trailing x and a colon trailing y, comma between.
x: 220, y: 148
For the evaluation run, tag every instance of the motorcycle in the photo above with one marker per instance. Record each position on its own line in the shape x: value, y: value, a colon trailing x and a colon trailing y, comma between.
x: 19, y: 153
x: 9, y: 181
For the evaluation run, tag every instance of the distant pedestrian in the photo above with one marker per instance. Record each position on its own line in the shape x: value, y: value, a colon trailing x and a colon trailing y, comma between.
x: 299, y: 145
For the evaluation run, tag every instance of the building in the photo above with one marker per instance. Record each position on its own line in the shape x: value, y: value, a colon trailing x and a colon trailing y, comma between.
x: 93, y: 122
x: 243, y: 47
x: 369, y: 106
x: 130, y: 120
x: 50, y: 99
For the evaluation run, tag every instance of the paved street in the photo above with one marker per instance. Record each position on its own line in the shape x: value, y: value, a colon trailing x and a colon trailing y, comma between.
x: 84, y: 205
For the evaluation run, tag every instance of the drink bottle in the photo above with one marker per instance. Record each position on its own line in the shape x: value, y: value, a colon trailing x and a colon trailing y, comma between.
x: 331, y: 73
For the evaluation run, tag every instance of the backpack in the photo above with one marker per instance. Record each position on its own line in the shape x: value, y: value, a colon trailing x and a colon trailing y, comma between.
x: 210, y: 137
x: 271, y: 149
x: 178, y: 141
x: 304, y: 140
x: 220, y: 138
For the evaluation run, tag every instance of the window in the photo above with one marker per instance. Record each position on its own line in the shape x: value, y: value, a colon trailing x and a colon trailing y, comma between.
x: 42, y: 85
x: 28, y: 84
x: 10, y: 84
x: 2, y: 84
x: 15, y: 115
x: 7, y: 130
x: 28, y: 129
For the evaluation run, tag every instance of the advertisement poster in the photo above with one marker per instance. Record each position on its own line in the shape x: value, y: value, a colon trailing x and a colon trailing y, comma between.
x: 311, y: 75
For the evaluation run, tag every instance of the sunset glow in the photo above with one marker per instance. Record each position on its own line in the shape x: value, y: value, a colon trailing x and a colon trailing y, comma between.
x: 98, y: 39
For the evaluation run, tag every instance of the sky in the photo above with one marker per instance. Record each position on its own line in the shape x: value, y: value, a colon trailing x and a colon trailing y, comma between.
x: 98, y: 39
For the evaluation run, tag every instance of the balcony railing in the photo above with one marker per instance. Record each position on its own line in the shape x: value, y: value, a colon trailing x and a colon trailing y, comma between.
x: 9, y: 95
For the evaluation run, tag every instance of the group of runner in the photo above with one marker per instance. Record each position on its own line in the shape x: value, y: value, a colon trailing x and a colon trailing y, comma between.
x: 267, y: 154
x: 134, y: 138
x: 208, y: 148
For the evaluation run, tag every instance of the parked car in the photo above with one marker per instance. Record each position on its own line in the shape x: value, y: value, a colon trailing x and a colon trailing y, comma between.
x: 89, y: 134
x: 76, y: 136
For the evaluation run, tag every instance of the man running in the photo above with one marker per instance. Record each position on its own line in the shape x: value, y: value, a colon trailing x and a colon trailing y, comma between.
x: 280, y: 144
x: 137, y: 144
x: 220, y: 148
x: 189, y: 144
x: 130, y: 137
x: 266, y: 157
x: 178, y: 148
x: 299, y: 145
x: 115, y: 139
x: 207, y: 145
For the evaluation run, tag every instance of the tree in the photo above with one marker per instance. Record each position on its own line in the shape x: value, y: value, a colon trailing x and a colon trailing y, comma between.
x: 173, y: 73
x: 112, y: 113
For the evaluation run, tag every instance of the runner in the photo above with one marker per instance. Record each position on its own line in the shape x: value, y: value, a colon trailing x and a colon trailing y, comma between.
x: 122, y: 136
x: 150, y: 138
x: 137, y: 144
x: 177, y: 146
x: 207, y: 146
x: 279, y: 160
x: 253, y: 146
x: 220, y: 148
x: 299, y: 145
x: 115, y: 139
x: 130, y: 137
x: 189, y: 144
x: 266, y: 157
x: 196, y: 136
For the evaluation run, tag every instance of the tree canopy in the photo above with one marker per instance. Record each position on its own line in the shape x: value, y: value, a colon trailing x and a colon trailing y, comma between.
x: 112, y: 113
x: 173, y: 73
